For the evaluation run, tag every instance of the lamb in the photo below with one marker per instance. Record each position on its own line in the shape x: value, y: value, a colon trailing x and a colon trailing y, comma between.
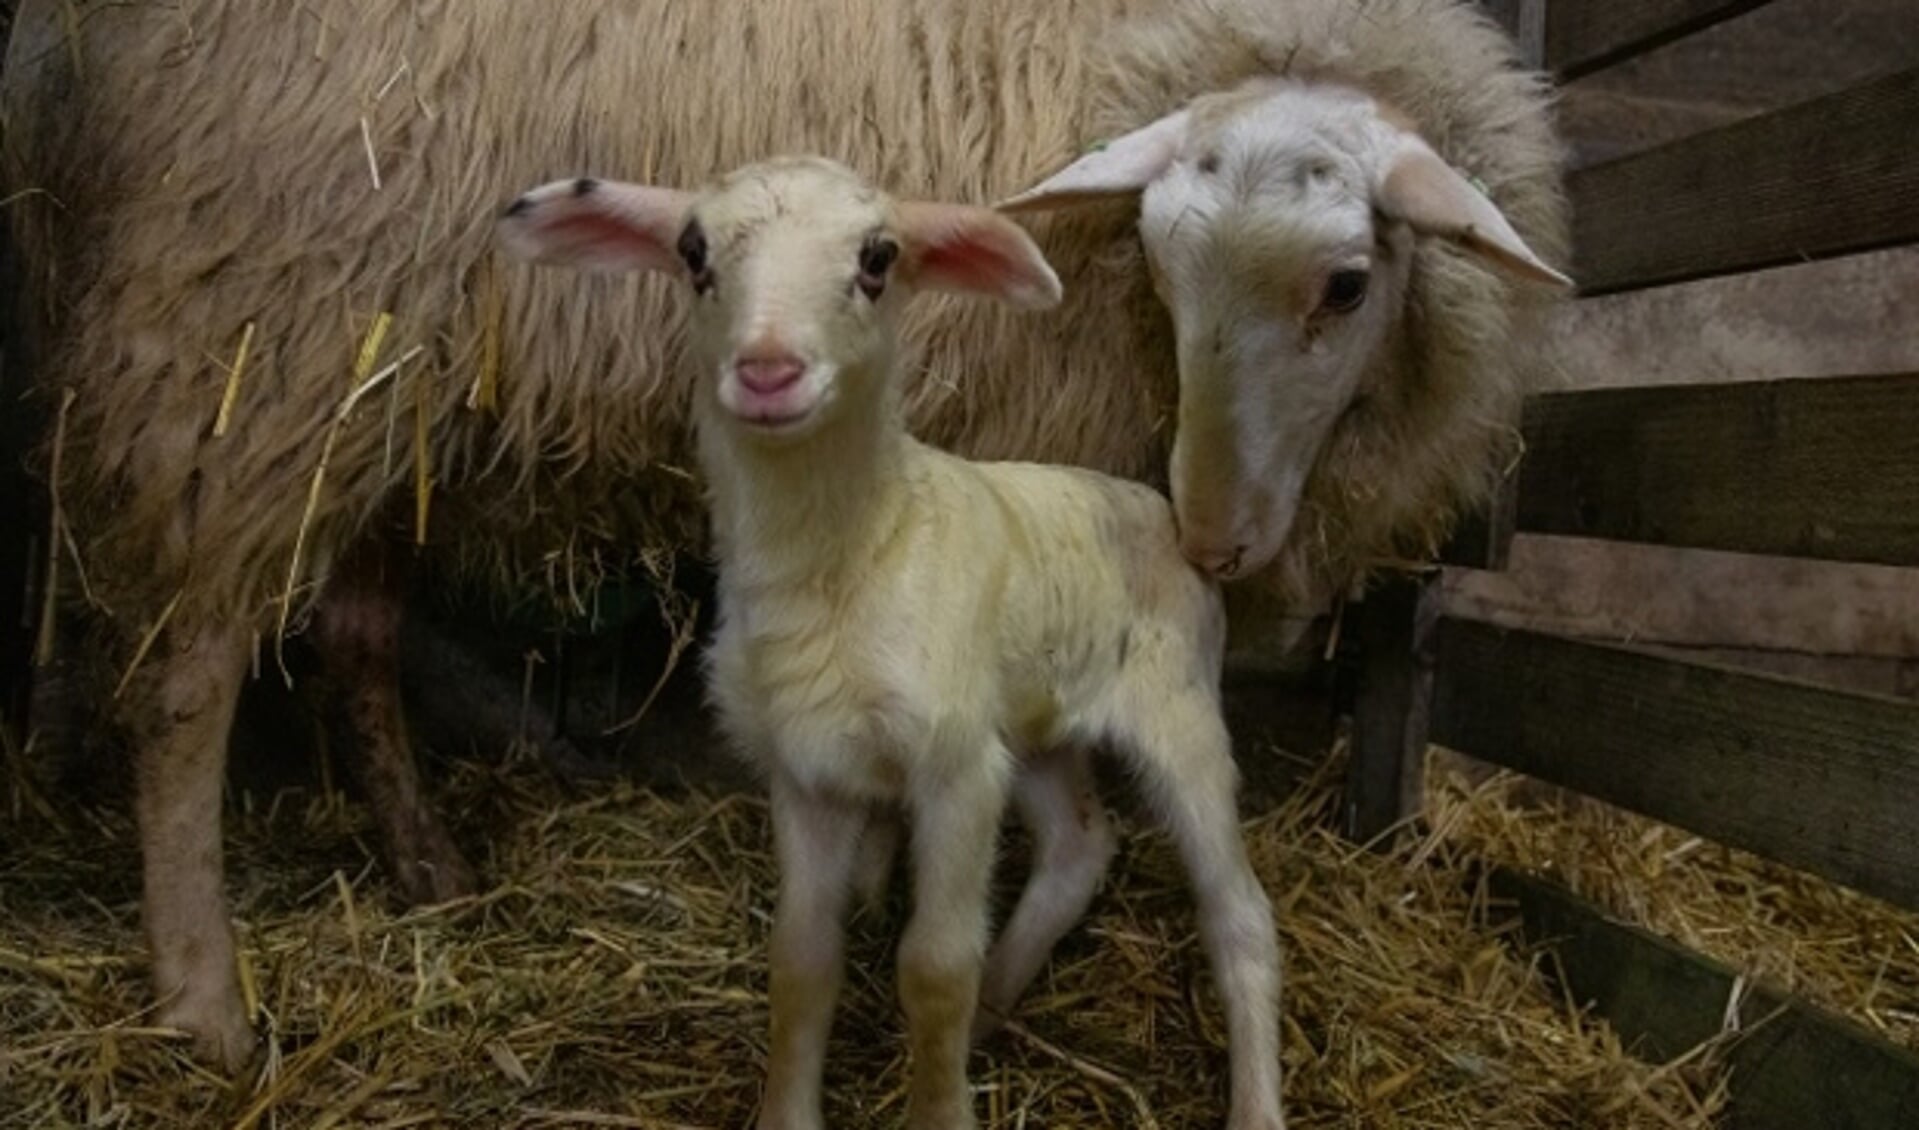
x: 226, y: 202
x: 903, y: 628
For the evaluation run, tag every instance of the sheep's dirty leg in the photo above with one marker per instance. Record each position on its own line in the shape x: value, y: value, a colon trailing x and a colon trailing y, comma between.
x: 180, y: 711
x: 1184, y: 753
x: 1058, y: 801
x: 356, y: 629
x: 815, y: 842
x: 955, y: 824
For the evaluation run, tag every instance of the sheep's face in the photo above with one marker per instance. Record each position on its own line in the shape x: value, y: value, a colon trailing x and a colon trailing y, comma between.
x: 1279, y: 225
x: 798, y: 269
x: 1263, y: 245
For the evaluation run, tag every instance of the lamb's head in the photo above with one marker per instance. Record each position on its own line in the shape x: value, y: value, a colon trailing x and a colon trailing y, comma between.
x: 798, y: 268
x: 1279, y: 222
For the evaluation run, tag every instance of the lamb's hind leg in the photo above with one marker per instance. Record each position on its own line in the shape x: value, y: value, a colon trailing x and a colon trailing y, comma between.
x: 179, y: 711
x: 357, y: 632
x: 1058, y: 801
x: 1184, y: 754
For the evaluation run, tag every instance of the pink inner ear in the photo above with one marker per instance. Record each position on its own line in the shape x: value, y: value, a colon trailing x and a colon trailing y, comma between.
x: 591, y: 229
x: 972, y: 264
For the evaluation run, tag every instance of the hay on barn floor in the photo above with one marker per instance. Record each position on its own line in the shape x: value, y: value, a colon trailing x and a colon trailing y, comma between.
x: 1851, y: 953
x: 614, y: 976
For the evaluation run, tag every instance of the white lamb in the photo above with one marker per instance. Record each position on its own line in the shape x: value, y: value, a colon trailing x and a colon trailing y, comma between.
x: 906, y: 632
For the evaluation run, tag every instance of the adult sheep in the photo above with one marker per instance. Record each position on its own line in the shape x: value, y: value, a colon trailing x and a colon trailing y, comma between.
x: 260, y: 234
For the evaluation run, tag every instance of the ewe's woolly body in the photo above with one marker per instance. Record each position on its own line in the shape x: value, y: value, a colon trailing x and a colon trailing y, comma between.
x: 211, y: 164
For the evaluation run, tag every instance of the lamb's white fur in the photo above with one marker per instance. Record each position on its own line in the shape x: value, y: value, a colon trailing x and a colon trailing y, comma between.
x: 905, y: 631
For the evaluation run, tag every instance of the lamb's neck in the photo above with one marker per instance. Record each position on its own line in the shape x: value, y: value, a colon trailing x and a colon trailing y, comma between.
x: 807, y: 509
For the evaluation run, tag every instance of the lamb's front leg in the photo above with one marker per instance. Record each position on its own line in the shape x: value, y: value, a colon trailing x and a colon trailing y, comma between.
x: 956, y: 818
x: 815, y: 841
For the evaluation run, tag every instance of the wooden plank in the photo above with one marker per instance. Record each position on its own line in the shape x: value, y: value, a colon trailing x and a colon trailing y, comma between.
x: 1392, y: 695
x: 1823, y: 468
x: 1833, y: 176
x: 1583, y: 36
x: 1819, y: 779
x: 1794, y: 1066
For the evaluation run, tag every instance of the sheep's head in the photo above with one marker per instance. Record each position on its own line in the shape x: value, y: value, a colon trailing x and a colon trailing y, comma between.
x: 798, y: 268
x: 1279, y: 224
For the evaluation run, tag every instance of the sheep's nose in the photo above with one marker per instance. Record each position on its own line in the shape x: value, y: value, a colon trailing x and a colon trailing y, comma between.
x: 769, y: 373
x: 1221, y: 561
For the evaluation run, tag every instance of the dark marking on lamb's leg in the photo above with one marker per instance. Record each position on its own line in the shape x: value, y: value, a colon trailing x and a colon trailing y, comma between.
x: 178, y: 709
x: 584, y: 185
x: 357, y: 632
x: 1125, y: 644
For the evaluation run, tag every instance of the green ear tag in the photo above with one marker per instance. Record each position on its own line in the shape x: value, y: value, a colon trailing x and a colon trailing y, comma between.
x: 1098, y: 146
x: 1480, y: 185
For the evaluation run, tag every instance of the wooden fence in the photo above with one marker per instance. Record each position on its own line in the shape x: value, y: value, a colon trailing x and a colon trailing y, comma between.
x: 1823, y: 780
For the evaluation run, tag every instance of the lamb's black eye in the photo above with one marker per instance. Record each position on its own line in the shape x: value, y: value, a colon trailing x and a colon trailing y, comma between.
x: 877, y: 256
x: 1345, y: 291
x: 692, y: 250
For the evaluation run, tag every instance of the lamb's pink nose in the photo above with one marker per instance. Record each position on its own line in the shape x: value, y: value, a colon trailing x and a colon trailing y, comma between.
x: 769, y: 373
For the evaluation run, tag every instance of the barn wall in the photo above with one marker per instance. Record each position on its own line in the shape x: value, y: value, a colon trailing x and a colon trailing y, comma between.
x: 1842, y: 317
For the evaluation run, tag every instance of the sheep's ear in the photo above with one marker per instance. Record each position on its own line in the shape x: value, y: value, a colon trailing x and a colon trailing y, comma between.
x: 1117, y: 167
x: 969, y: 250
x: 597, y: 225
x: 1420, y: 188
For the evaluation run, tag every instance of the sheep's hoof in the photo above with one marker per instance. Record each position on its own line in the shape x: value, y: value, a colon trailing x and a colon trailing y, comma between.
x: 435, y: 873
x: 217, y: 1023
x: 573, y: 768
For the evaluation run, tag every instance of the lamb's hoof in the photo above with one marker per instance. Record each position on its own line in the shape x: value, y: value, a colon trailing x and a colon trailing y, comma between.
x: 987, y: 1021
x: 943, y: 1119
x: 218, y: 1026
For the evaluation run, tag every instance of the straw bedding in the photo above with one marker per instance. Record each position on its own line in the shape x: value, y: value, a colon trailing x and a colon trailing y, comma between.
x: 613, y: 976
x: 1851, y: 953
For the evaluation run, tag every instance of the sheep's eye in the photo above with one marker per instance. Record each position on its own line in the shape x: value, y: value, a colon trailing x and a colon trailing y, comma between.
x: 877, y: 256
x: 1345, y: 291
x: 692, y: 250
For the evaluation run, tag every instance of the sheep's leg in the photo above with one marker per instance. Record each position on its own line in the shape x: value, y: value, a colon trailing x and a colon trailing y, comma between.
x: 1058, y: 801
x: 180, y: 712
x: 357, y: 632
x: 815, y: 841
x: 956, y: 822
x: 1184, y: 753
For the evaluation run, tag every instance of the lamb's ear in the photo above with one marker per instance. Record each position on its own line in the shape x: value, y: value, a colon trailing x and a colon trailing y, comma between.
x: 597, y: 225
x: 970, y: 250
x: 1117, y: 167
x: 1419, y: 187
